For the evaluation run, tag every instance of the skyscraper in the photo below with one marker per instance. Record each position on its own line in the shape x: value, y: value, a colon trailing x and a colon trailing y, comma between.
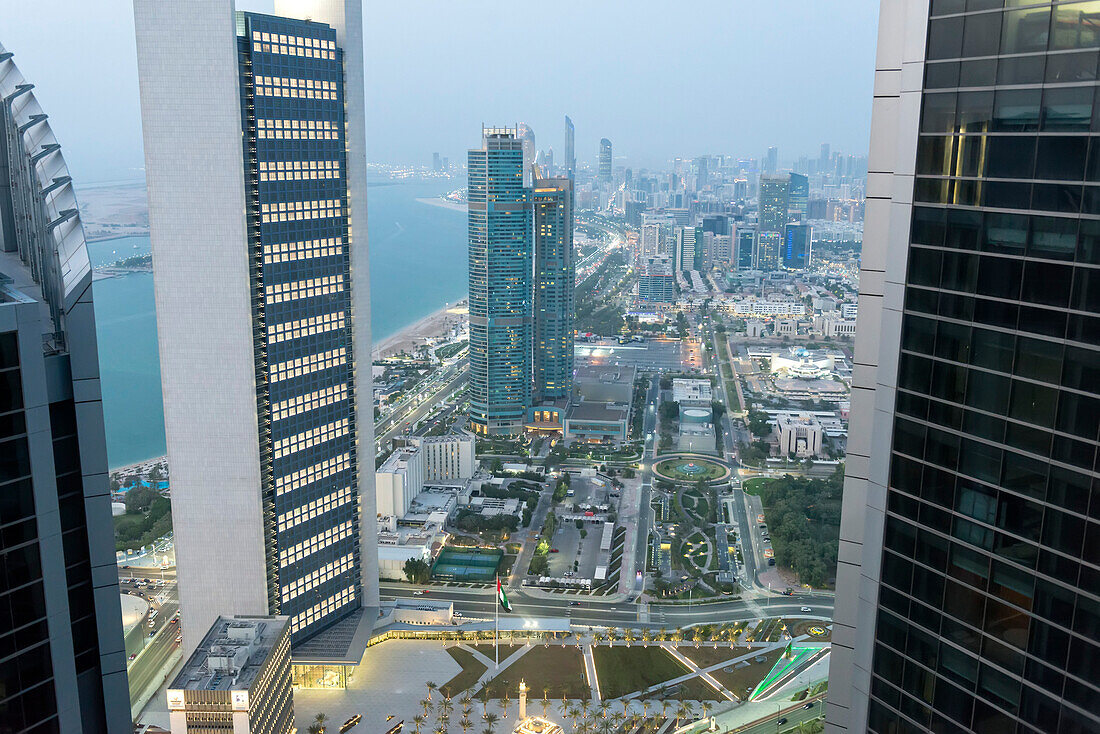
x: 968, y: 588
x: 61, y: 648
x: 798, y: 201
x: 553, y: 289
x: 745, y: 248
x: 570, y: 149
x: 500, y: 273
x: 604, y: 167
x: 797, y: 247
x: 774, y: 202
x: 771, y: 160
x: 530, y: 152
x: 657, y: 280
x: 689, y: 243
x: 255, y: 160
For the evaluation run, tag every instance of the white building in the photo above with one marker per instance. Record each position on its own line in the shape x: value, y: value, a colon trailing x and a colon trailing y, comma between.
x: 754, y: 307
x: 830, y: 327
x: 686, y: 390
x: 447, y: 458
x: 849, y: 310
x: 398, y: 481
x: 799, y: 435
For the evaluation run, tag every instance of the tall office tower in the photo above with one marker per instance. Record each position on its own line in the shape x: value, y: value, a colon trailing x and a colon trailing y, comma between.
x: 716, y: 223
x: 773, y: 202
x: 722, y: 254
x: 530, y: 153
x: 798, y: 201
x: 744, y: 256
x: 797, y: 247
x: 548, y: 161
x: 823, y: 159
x: 771, y: 160
x: 701, y: 175
x: 553, y: 289
x: 500, y: 272
x: 570, y: 149
x: 62, y: 652
x: 968, y: 588
x: 435, y: 161
x: 657, y: 280
x: 256, y: 168
x: 768, y: 245
x: 603, y: 171
x: 689, y: 240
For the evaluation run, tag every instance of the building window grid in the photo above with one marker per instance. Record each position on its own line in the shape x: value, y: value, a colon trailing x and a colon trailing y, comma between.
x: 325, y: 539
x: 308, y: 364
x: 321, y: 609
x: 319, y: 324
x: 310, y: 438
x: 308, y: 288
x: 317, y: 507
x: 309, y: 402
x: 302, y: 478
x: 315, y: 578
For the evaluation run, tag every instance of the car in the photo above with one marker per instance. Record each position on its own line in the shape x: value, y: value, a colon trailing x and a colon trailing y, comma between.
x: 133, y: 655
x: 350, y: 722
x: 126, y: 566
x: 554, y: 550
x: 810, y: 705
x: 457, y: 614
x: 805, y: 609
x: 782, y: 721
x: 763, y: 527
x: 418, y: 592
x: 574, y: 603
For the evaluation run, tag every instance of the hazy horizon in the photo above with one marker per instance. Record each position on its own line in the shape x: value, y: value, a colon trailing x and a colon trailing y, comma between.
x: 660, y: 82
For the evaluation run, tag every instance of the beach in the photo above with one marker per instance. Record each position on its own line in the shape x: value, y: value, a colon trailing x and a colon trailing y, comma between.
x: 430, y: 328
x: 443, y: 203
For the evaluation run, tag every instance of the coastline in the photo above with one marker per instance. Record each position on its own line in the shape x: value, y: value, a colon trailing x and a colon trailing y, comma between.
x: 432, y: 326
x: 436, y: 201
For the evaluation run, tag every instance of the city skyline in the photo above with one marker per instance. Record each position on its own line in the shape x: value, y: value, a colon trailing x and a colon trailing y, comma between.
x: 109, y: 150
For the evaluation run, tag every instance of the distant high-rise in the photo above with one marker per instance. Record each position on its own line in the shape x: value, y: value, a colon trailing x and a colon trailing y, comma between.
x: 435, y: 161
x: 744, y: 256
x: 603, y: 170
x: 657, y: 280
x: 62, y: 655
x: 500, y: 273
x: 771, y: 160
x: 716, y: 223
x: 530, y: 151
x: 798, y: 200
x: 768, y: 244
x: 774, y: 202
x: 823, y: 159
x: 968, y: 586
x: 796, y: 250
x: 554, y: 288
x: 256, y: 168
x: 570, y: 149
x: 689, y: 242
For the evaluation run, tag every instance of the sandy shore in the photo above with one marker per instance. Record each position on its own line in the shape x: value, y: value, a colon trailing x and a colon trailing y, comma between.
x: 432, y: 326
x: 443, y: 203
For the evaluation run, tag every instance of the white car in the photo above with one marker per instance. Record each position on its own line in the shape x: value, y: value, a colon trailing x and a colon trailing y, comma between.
x: 804, y: 609
x: 418, y: 593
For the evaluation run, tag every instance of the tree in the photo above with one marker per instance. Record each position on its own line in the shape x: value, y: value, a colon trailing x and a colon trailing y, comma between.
x: 320, y: 720
x: 431, y: 688
x: 417, y: 571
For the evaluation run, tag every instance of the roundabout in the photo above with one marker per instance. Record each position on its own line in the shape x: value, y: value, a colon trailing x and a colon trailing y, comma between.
x: 690, y: 468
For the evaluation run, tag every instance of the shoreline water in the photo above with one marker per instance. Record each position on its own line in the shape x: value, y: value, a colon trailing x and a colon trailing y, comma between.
x: 431, y: 326
x: 443, y: 204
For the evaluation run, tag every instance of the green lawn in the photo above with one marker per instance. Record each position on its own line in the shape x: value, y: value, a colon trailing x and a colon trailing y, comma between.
x: 558, y: 668
x: 624, y: 670
x: 705, y: 657
x: 741, y: 680
x: 472, y: 669
x: 754, y: 485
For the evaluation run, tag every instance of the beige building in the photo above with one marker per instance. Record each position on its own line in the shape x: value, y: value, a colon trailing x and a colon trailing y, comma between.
x: 237, y: 680
x: 799, y: 435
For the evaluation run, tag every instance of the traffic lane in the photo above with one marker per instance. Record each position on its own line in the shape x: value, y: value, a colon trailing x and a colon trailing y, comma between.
x: 794, y: 717
x: 397, y: 423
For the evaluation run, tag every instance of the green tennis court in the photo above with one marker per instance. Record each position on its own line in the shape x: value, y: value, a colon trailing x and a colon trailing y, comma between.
x: 462, y: 564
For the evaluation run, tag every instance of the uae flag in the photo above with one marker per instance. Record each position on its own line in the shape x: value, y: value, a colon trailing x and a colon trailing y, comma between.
x: 502, y: 598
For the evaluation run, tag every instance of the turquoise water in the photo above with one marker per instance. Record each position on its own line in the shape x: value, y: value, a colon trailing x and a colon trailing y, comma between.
x: 418, y: 264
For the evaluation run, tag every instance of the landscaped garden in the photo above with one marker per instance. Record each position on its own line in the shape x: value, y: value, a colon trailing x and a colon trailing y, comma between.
x: 557, y: 668
x: 624, y: 670
x: 690, y: 469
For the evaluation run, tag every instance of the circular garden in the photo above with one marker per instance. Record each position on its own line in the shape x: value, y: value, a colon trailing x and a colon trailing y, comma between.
x: 690, y: 469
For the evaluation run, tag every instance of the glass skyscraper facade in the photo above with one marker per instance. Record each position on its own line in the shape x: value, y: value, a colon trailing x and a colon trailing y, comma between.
x: 570, y: 148
x: 603, y: 170
x: 773, y: 202
x: 968, y: 593
x: 500, y: 273
x: 554, y: 288
x: 292, y: 96
x: 797, y: 247
x: 62, y: 658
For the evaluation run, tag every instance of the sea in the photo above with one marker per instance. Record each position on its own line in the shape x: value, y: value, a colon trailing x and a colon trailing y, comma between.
x: 417, y: 263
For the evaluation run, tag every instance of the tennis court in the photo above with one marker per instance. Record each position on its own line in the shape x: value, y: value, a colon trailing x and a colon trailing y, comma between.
x: 467, y: 564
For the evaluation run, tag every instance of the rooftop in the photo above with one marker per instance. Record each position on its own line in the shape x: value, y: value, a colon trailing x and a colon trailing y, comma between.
x: 231, y: 654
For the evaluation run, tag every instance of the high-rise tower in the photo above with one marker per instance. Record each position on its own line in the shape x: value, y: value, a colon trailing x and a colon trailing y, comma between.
x: 774, y: 202
x: 61, y: 648
x: 603, y: 170
x: 500, y: 272
x: 968, y: 588
x: 553, y: 289
x: 570, y: 149
x: 255, y: 160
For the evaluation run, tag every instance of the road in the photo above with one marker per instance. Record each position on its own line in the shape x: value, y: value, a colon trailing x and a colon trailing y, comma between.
x: 645, y: 521
x: 480, y: 603
x: 792, y: 718
x: 421, y: 401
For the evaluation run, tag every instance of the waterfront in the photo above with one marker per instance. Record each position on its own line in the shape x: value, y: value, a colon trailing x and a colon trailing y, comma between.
x: 418, y: 264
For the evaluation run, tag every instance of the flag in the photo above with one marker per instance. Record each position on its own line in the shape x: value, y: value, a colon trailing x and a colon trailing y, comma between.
x: 502, y: 598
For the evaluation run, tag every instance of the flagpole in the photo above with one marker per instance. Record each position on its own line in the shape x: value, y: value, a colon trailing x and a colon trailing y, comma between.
x: 496, y: 629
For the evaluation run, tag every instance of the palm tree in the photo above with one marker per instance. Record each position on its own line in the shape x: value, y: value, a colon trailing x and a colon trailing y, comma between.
x: 647, y: 636
x: 418, y: 720
x: 565, y: 707
x: 488, y: 730
x: 706, y: 706
x: 626, y: 705
x: 636, y: 720
x: 431, y: 687
x: 485, y: 700
x: 491, y: 721
x: 629, y: 636
x: 504, y: 701
x: 665, y: 706
x: 605, y: 726
x: 315, y: 729
x: 467, y: 702
x: 465, y: 724
x: 682, y: 712
x: 320, y: 720
x: 645, y: 708
x: 602, y: 708
x: 427, y: 705
x: 545, y: 701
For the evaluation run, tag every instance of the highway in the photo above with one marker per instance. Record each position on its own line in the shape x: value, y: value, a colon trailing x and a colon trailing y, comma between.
x: 419, y: 403
x: 645, y: 521
x: 791, y: 717
x: 479, y: 603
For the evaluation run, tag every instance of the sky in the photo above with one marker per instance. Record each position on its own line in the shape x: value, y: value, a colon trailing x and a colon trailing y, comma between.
x: 660, y: 79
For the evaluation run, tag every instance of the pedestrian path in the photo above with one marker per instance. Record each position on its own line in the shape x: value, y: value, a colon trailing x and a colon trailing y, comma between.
x: 590, y: 672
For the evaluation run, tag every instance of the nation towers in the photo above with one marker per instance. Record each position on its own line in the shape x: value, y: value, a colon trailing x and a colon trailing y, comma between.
x: 521, y: 275
x: 255, y: 160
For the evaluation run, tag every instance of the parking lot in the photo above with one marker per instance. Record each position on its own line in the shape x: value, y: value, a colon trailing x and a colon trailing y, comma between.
x: 567, y: 537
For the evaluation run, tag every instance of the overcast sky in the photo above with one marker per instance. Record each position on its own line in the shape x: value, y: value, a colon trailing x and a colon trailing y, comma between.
x: 660, y: 78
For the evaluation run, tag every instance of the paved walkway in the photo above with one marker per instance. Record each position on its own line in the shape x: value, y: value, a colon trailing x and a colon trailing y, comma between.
x: 590, y: 672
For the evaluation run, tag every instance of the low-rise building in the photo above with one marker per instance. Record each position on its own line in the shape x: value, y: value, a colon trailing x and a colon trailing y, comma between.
x: 398, y: 481
x: 446, y: 458
x: 799, y: 435
x: 237, y: 680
